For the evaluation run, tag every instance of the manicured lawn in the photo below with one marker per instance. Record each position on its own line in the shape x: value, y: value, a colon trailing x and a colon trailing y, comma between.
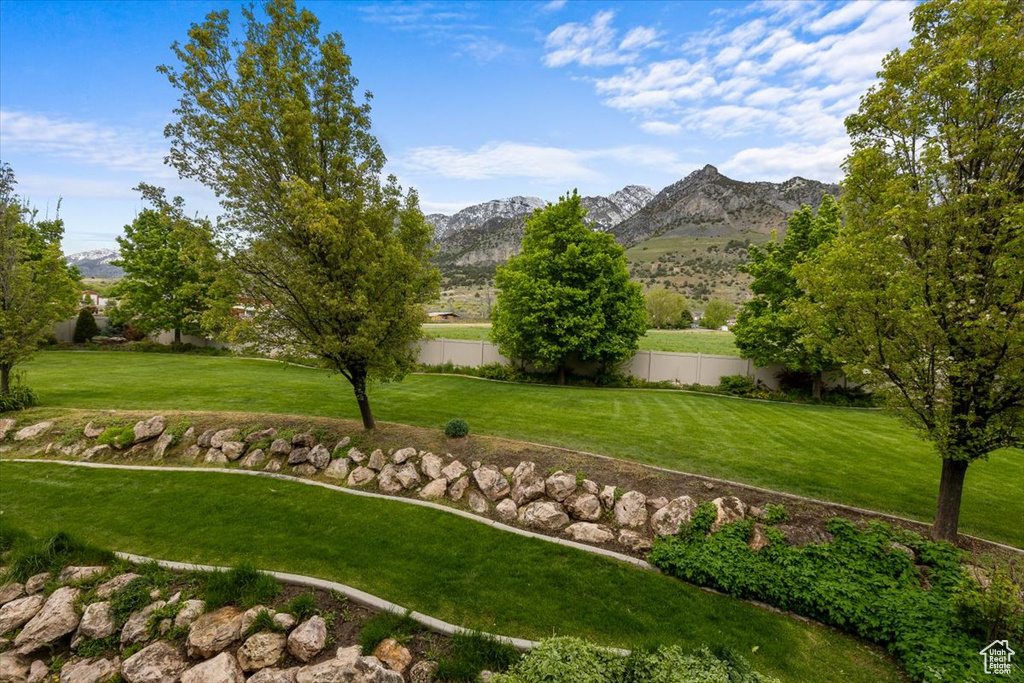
x: 713, y: 342
x: 858, y: 457
x: 445, y: 566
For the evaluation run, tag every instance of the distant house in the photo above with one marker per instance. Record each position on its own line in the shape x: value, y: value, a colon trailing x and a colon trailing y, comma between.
x: 92, y: 298
x: 438, y: 316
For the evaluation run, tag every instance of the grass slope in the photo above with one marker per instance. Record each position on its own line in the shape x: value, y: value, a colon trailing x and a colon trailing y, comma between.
x: 713, y: 342
x: 858, y: 457
x: 430, y: 561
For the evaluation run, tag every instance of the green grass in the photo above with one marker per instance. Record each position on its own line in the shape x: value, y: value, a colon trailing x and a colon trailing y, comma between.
x: 858, y: 457
x: 713, y: 342
x: 427, y: 560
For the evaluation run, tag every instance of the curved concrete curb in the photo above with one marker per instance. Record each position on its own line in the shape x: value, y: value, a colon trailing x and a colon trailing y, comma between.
x: 355, y: 492
x: 354, y: 594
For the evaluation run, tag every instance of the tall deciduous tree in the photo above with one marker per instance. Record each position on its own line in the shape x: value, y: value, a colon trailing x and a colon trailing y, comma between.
x: 36, y: 287
x: 766, y: 329
x: 333, y: 259
x: 667, y: 309
x: 921, y: 295
x: 170, y: 263
x: 568, y: 294
x: 716, y: 313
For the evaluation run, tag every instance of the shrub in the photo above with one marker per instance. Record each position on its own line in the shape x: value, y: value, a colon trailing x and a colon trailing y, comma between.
x: 774, y: 514
x: 858, y: 582
x: 264, y: 622
x: 565, y: 659
x: 456, y: 428
x: 736, y: 385
x: 244, y: 585
x: 499, y: 371
x: 118, y: 437
x: 85, y: 327
x: 19, y: 396
x: 386, y: 625
x: 991, y: 611
x: 301, y: 607
x: 473, y: 652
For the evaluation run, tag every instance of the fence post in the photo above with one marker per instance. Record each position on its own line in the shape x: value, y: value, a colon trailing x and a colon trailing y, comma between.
x: 481, y: 352
x: 698, y: 369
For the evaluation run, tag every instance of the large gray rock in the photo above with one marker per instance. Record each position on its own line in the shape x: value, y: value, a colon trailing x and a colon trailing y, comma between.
x: 281, y: 447
x: 634, y: 541
x: 273, y: 675
x: 55, y: 620
x: 543, y: 514
x: 17, y: 613
x: 162, y: 444
x: 584, y: 506
x: 388, y: 480
x: 492, y: 482
x: 205, y: 439
x: 407, y: 475
x: 7, y: 424
x: 115, y: 585
x: 233, y: 450
x: 668, y: 520
x: 527, y: 484
x: 262, y: 650
x: 253, y: 437
x: 304, y: 470
x: 37, y: 582
x: 97, y: 621
x: 319, y: 457
x: 75, y: 574
x: 432, y: 466
x: 221, y: 437
x: 92, y: 452
x: 506, y: 510
x: 477, y: 502
x: 304, y: 440
x: 308, y: 639
x: 92, y: 431
x: 273, y: 465
x: 453, y: 470
x: 255, y: 459
x: 32, y: 431
x: 89, y: 671
x: 356, y: 455
x: 377, y: 460
x: 458, y: 488
x: 189, y: 612
x: 213, y: 632
x: 588, y: 532
x: 423, y: 671
x: 221, y: 669
x: 215, y: 456
x: 136, y: 629
x: 435, y: 489
x: 13, y: 668
x: 361, y: 476
x: 402, y: 454
x: 149, y: 429
x: 607, y: 497
x: 38, y: 672
x: 362, y: 670
x: 631, y: 509
x: 155, y: 663
x: 298, y: 456
x: 729, y: 509
x: 590, y: 486
x: 338, y: 469
x: 11, y: 591
x: 560, y: 485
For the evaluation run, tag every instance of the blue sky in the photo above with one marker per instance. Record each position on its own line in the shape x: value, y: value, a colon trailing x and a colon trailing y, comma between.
x: 472, y: 100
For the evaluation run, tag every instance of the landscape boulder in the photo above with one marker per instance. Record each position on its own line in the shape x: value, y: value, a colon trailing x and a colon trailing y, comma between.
x: 89, y: 671
x: 588, y: 532
x: 97, y: 621
x: 729, y: 509
x: 387, y: 479
x: 55, y: 620
x: 255, y: 459
x: 634, y: 541
x: 377, y: 460
x: 668, y: 520
x: 298, y: 455
x: 361, y: 670
x: 607, y: 497
x: 631, y: 509
x: 280, y: 447
x: 338, y: 469
x: 435, y: 489
x: 136, y: 628
x: 13, y: 668
x: 453, y: 470
x: 73, y: 574
x: 458, y: 488
x: 262, y: 650
x: 273, y: 675
x: 527, y: 484
x: 304, y: 440
x: 155, y: 663
x: 492, y: 482
x: 90, y: 453
x: 506, y: 510
x: 38, y: 672
x: 319, y: 457
x: 543, y: 514
x: 32, y: 431
x: 7, y: 424
x: 560, y: 485
x: 222, y: 436
x: 432, y: 465
x: 233, y: 450
x: 17, y: 613
x: 223, y: 668
x: 304, y: 470
x: 308, y: 639
x: 215, y: 456
x: 394, y: 654
x: 161, y: 446
x: 37, y: 582
x: 423, y: 671
x: 214, y: 631
x: 402, y: 454
x: 205, y: 439
x: 253, y: 437
x: 115, y: 585
x: 189, y: 612
x: 149, y: 429
x: 11, y: 591
x: 584, y: 506
x: 407, y: 475
x: 361, y: 476
x: 356, y: 455
x: 477, y: 502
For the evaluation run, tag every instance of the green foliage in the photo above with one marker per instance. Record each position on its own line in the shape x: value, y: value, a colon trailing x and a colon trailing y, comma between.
x: 88, y: 648
x: 85, y: 327
x: 920, y: 295
x: 572, y: 660
x: 386, y: 625
x: 667, y: 310
x: 301, y: 607
x: 991, y: 611
x: 129, y: 599
x: 774, y: 514
x: 118, y: 437
x: 701, y: 521
x: 29, y: 558
x: 19, y: 395
x: 472, y: 652
x: 309, y: 222
x: 456, y: 428
x: 264, y: 621
x: 243, y: 585
x: 567, y: 295
x: 716, y: 314
x: 736, y: 385
x: 859, y: 583
x: 38, y: 287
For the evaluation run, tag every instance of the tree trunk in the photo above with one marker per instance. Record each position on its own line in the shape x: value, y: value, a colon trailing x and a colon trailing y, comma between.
x: 177, y: 336
x: 359, y: 386
x: 816, y: 382
x: 951, y: 488
x: 5, y: 379
x: 561, y: 374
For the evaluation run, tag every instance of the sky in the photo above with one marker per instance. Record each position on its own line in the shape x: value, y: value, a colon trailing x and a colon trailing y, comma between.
x: 472, y: 101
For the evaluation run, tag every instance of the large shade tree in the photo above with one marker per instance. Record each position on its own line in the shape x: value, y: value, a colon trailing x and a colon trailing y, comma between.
x: 331, y: 257
x: 766, y: 329
x: 567, y: 295
x: 921, y: 295
x: 37, y: 288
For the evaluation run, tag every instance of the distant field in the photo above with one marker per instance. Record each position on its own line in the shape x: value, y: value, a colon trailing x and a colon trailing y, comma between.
x: 714, y: 342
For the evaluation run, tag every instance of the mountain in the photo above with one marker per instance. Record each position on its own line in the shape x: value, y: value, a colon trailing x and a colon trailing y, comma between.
x: 96, y: 263
x: 708, y: 204
x: 489, y: 233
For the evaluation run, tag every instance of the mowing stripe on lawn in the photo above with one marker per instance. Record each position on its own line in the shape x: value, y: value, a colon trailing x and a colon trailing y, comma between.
x: 438, y: 564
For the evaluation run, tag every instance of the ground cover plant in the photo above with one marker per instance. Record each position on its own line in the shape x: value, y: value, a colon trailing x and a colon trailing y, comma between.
x: 888, y: 586
x: 857, y: 457
x: 430, y: 561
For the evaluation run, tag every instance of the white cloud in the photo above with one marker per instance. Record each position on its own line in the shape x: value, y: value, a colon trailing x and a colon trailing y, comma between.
x: 847, y: 14
x: 661, y: 127
x: 594, y: 44
x: 820, y: 162
x: 553, y: 5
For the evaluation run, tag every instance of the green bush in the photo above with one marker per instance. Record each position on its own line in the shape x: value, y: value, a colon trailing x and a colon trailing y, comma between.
x: 860, y: 582
x: 244, y: 586
x: 19, y: 396
x: 774, y: 514
x: 736, y: 385
x: 456, y: 428
x: 85, y: 327
x: 386, y: 625
x: 118, y: 437
x: 301, y: 607
x: 991, y: 611
x: 499, y: 371
x: 472, y: 652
